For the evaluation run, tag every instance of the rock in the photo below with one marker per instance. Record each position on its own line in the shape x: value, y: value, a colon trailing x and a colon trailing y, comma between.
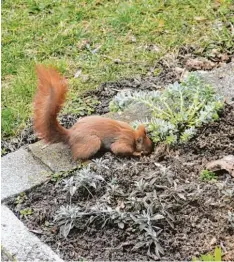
x: 222, y: 79
x: 226, y: 163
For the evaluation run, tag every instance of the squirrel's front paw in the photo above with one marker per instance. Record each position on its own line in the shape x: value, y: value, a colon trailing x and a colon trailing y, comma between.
x: 137, y: 153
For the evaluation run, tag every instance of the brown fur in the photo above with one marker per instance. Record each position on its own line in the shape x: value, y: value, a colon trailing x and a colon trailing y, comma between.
x: 89, y: 134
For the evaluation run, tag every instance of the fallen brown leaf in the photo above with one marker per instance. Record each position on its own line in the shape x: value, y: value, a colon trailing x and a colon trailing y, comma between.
x: 200, y: 18
x: 199, y: 64
x: 226, y: 163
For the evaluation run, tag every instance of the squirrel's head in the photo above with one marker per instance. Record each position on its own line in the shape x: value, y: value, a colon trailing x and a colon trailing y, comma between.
x: 143, y: 142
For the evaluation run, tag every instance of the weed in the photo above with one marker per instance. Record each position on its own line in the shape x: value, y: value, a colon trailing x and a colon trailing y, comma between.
x: 209, y: 257
x: 56, y: 177
x: 20, y: 198
x: 3, y: 151
x: 177, y: 111
x: 207, y: 175
x: 26, y: 212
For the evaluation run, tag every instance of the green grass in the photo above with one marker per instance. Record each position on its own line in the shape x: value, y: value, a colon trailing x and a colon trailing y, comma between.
x: 55, y: 32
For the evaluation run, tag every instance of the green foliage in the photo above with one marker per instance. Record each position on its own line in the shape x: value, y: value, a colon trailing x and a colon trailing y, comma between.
x: 209, y: 257
x: 55, y: 177
x: 177, y: 111
x: 207, y: 175
x: 20, y: 198
x: 26, y: 212
x: 3, y: 151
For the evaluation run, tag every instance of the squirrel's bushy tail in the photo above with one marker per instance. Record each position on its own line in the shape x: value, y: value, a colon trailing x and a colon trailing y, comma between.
x: 50, y: 96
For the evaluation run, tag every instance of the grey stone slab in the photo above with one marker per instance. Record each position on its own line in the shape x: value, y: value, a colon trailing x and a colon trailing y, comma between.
x: 222, y: 79
x: 21, y: 244
x: 20, y: 171
x: 56, y: 156
x: 131, y: 114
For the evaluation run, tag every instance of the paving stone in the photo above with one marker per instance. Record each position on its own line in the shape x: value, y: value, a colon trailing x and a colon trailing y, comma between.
x: 20, y: 171
x: 222, y: 79
x: 56, y: 156
x: 130, y: 114
x: 21, y: 244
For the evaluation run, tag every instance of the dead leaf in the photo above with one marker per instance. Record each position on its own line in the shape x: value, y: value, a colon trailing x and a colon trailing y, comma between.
x: 199, y: 63
x: 226, y: 163
x: 200, y: 18
x: 182, y: 196
x: 133, y: 39
x: 96, y: 49
x: 224, y: 57
x: 117, y: 61
x: 82, y: 44
x: 121, y: 205
x: 152, y: 48
x: 78, y: 73
x: 213, y: 241
x: 121, y: 225
x: 160, y: 151
x: 161, y: 23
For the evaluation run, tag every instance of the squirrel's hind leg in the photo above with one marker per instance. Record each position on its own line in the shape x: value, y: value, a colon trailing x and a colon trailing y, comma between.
x: 120, y: 148
x: 85, y: 147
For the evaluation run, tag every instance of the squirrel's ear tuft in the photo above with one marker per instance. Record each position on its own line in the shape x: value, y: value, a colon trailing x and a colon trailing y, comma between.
x: 141, y: 130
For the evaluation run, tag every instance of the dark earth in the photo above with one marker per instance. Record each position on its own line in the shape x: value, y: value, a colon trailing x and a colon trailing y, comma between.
x: 195, y: 211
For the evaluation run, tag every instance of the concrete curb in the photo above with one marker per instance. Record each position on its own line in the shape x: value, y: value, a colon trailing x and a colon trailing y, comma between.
x: 20, y: 171
x: 20, y: 243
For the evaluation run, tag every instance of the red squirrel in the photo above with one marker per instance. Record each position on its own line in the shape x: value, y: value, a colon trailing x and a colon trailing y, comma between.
x: 90, y: 134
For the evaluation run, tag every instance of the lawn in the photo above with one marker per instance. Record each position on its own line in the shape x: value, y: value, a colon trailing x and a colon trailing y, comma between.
x: 102, y: 40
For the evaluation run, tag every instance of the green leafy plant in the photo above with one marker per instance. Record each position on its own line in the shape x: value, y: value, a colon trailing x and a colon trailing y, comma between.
x: 209, y: 257
x: 207, y: 175
x: 56, y: 177
x: 26, y: 212
x: 20, y: 198
x: 177, y: 111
